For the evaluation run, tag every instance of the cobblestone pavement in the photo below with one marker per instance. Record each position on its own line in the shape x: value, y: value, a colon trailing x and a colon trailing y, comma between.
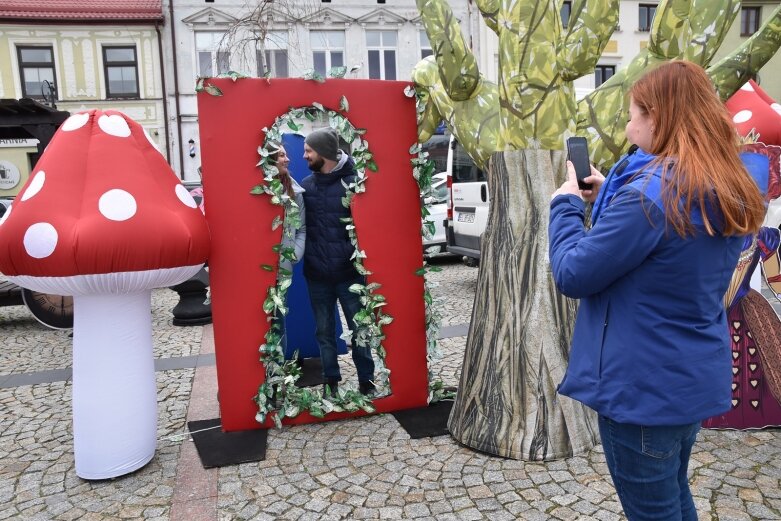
x: 366, y: 468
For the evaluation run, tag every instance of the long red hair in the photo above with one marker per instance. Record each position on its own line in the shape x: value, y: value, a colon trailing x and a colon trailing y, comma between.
x: 697, y: 147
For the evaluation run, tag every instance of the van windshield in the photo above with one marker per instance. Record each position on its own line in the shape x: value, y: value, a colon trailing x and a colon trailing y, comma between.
x: 464, y: 169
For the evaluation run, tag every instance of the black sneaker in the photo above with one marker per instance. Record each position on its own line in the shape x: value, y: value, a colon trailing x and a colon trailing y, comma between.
x: 367, y: 388
x: 331, y: 387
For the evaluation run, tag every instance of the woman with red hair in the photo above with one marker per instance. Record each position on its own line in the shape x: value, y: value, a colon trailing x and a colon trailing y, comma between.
x: 650, y: 350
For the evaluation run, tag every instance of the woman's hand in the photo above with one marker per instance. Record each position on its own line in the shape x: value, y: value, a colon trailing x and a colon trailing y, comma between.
x: 596, y: 179
x: 570, y: 186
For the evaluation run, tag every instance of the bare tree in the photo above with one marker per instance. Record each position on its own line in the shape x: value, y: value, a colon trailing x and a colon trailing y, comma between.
x: 262, y: 27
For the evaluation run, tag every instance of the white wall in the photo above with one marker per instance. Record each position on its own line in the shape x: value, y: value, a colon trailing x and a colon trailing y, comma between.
x: 355, y: 17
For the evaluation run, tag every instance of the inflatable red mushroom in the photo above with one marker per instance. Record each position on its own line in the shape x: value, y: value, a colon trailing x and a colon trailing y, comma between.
x: 753, y: 109
x: 104, y: 218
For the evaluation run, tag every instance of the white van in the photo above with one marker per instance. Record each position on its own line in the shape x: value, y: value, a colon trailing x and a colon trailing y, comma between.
x: 468, y: 210
x: 437, y: 204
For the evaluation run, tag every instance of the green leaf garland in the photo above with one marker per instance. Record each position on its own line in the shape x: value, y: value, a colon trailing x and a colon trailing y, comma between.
x: 422, y: 171
x: 278, y: 397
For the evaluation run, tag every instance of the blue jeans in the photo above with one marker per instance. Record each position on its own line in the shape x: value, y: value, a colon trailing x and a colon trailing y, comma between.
x: 323, y: 296
x: 648, y: 465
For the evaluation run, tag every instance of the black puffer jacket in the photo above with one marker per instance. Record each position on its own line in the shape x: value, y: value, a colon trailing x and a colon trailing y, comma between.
x: 328, y: 247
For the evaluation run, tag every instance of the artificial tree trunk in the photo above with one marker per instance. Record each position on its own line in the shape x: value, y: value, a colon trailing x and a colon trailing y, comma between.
x: 518, y: 344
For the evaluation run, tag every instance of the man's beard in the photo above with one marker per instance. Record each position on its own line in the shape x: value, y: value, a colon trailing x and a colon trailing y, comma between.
x: 316, y: 165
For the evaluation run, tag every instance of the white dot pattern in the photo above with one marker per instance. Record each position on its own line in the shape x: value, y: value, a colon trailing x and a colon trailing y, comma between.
x: 776, y: 107
x: 6, y: 215
x: 117, y: 205
x: 742, y: 116
x: 151, y: 141
x: 114, y: 125
x: 35, y: 185
x: 747, y: 87
x: 184, y: 196
x: 75, y: 122
x: 40, y: 240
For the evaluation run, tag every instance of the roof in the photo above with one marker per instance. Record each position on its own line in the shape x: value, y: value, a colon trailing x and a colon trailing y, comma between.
x: 82, y: 10
x: 19, y: 118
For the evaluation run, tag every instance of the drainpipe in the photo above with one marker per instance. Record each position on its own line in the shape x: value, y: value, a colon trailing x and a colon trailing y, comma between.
x: 165, y: 92
x: 176, y: 87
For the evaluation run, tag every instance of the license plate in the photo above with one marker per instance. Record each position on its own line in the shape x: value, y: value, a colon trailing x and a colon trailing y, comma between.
x: 466, y: 217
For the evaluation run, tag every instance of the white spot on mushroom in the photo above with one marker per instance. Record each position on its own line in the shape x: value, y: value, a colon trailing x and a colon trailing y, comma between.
x: 151, y: 141
x: 40, y: 239
x: 117, y: 205
x: 6, y: 215
x: 742, y: 116
x: 776, y: 107
x: 747, y: 87
x: 184, y: 196
x: 114, y: 125
x: 75, y: 122
x: 35, y: 185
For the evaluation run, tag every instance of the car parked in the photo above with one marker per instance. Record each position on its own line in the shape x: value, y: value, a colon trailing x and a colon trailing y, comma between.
x: 470, y: 203
x: 437, y: 207
x: 5, y: 202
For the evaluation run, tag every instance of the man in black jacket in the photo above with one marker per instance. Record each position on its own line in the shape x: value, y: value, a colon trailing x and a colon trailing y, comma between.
x: 328, y: 267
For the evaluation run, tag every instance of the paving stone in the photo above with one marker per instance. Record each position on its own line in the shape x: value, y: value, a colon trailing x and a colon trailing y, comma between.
x: 366, y: 468
x: 390, y: 513
x: 416, y: 510
x: 470, y: 514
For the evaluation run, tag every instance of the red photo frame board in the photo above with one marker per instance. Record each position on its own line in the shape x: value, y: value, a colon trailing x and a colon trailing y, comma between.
x: 387, y: 220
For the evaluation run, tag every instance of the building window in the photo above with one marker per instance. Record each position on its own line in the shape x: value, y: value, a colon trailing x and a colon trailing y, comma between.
x: 602, y: 73
x: 36, y: 65
x: 272, y: 58
x: 327, y: 50
x: 211, y: 60
x: 749, y: 20
x: 566, y: 9
x: 120, y: 67
x: 647, y: 12
x: 425, y: 45
x: 382, y: 54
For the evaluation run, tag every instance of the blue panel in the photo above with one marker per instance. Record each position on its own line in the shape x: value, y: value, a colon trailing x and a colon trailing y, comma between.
x: 300, y: 321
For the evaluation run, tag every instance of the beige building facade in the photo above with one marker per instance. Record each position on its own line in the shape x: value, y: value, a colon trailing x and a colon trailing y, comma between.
x: 81, y: 65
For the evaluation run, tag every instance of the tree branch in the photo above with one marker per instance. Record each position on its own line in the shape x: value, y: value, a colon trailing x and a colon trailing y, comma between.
x: 591, y: 24
x: 735, y: 69
x: 457, y: 65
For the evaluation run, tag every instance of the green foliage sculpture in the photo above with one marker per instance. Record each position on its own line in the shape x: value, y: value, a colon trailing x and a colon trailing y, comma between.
x: 518, y: 343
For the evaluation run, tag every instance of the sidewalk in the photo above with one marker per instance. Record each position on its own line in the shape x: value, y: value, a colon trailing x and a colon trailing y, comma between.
x: 358, y: 469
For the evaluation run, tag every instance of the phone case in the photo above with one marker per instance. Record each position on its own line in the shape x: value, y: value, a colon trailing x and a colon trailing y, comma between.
x: 577, y: 152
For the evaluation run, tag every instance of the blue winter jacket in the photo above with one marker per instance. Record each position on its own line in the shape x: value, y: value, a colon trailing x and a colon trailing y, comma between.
x: 328, y: 247
x: 650, y: 345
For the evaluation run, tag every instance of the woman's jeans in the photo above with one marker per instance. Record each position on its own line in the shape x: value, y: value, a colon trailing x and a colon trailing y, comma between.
x: 648, y: 466
x: 323, y: 296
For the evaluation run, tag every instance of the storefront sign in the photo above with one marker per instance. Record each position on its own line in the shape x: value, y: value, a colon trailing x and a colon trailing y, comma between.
x: 18, y: 143
x: 9, y: 175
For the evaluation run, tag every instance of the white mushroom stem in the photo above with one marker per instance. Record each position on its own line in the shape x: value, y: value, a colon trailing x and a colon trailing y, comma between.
x: 114, y: 391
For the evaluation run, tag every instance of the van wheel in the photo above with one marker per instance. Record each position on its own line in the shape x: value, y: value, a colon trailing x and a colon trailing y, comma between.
x: 472, y: 263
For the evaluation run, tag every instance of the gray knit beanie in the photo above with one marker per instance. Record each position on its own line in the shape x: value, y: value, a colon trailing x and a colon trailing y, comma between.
x: 325, y: 142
